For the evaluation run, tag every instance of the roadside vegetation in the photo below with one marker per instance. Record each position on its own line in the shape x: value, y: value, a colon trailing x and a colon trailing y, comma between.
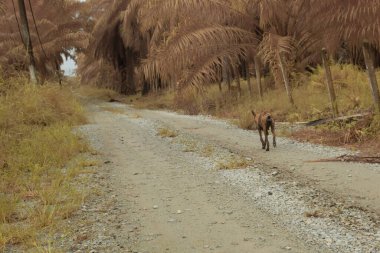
x: 301, y: 60
x: 39, y: 162
x: 310, y: 96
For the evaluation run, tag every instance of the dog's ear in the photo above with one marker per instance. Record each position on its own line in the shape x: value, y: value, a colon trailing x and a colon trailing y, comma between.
x: 253, y: 113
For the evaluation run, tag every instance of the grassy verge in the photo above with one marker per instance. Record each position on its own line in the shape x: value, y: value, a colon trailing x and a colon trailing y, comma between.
x: 38, y: 187
x: 310, y: 96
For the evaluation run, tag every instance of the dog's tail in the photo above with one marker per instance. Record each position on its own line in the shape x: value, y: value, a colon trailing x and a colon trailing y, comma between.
x: 269, y: 121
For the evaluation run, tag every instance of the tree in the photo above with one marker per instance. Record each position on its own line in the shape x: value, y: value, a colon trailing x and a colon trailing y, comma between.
x: 329, y: 81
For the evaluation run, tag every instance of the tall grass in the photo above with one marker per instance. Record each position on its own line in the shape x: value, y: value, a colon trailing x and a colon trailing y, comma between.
x: 36, y: 143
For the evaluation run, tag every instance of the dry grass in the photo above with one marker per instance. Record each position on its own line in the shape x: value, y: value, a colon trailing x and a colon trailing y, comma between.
x: 207, y: 151
x: 233, y: 163
x: 37, y: 189
x: 167, y: 133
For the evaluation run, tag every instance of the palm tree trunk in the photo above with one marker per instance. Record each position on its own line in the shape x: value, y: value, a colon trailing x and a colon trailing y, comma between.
x: 330, y: 85
x: 58, y: 69
x: 145, y: 87
x: 220, y: 85
x: 227, y: 74
x: 258, y: 76
x: 130, y: 88
x: 229, y: 77
x: 372, y: 76
x: 27, y: 41
x: 248, y: 74
x: 285, y: 76
x: 220, y: 78
x: 123, y: 81
x: 238, y: 84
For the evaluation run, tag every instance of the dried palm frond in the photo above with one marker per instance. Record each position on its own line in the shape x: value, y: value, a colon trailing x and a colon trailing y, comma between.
x: 355, y: 21
x: 191, y: 48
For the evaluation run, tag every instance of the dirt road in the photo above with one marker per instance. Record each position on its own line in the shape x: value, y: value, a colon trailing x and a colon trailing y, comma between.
x: 175, y: 195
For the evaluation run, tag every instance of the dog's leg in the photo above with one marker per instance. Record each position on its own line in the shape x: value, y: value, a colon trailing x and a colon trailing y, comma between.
x: 274, y: 135
x: 266, y: 139
x: 261, y: 138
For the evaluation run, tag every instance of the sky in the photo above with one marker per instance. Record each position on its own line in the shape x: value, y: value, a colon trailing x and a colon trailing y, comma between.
x: 69, y: 67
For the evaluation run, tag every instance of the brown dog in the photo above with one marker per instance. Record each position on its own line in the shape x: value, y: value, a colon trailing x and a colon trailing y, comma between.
x: 265, y: 121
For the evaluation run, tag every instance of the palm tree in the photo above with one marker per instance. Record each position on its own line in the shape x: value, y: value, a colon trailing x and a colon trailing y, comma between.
x: 288, y: 41
x: 263, y: 31
x: 120, y: 41
x: 357, y: 23
x: 55, y: 30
